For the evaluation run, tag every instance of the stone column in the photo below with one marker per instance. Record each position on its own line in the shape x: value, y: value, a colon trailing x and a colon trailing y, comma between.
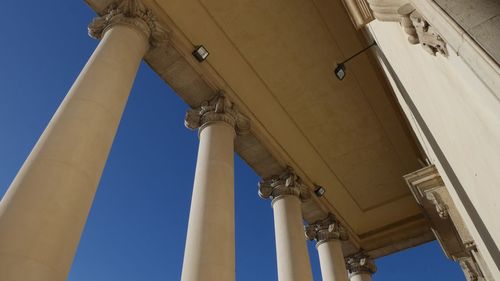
x: 286, y: 192
x: 45, y: 208
x: 210, y: 252
x: 360, y: 267
x: 329, y: 233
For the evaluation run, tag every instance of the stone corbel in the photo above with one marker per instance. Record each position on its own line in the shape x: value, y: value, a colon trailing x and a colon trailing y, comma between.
x: 441, y: 207
x: 420, y: 31
x: 359, y: 12
x: 469, y: 268
x: 430, y: 192
x: 469, y: 263
x: 415, y: 25
x: 386, y: 10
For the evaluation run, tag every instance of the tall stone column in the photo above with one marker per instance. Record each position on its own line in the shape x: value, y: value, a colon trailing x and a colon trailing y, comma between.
x: 210, y: 252
x: 45, y: 208
x: 360, y: 267
x: 329, y: 233
x: 286, y: 192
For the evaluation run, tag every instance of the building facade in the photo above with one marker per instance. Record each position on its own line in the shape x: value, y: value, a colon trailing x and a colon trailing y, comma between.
x: 373, y: 124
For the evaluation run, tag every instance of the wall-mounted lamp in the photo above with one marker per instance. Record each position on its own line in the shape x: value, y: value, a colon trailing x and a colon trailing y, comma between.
x: 340, y: 68
x: 200, y: 53
x: 340, y: 71
x: 319, y: 190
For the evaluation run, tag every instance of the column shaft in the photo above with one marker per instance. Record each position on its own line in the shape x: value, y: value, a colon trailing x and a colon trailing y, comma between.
x: 210, y: 249
x: 331, y: 260
x: 291, y: 247
x: 44, y: 210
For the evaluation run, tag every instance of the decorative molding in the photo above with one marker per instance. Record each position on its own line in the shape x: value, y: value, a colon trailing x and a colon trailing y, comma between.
x: 218, y: 109
x: 470, y: 269
x: 359, y: 11
x: 441, y: 207
x: 326, y: 229
x: 420, y: 31
x: 431, y: 194
x: 426, y: 186
x: 360, y: 263
x: 470, y: 265
x: 424, y: 181
x: 386, y: 10
x: 407, y: 24
x: 131, y: 13
x: 288, y: 183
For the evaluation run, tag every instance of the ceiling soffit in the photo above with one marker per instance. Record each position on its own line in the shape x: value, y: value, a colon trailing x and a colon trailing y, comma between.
x: 274, y: 59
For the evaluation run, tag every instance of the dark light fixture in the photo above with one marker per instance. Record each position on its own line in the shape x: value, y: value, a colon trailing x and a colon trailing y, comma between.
x: 340, y: 71
x: 200, y: 53
x: 319, y: 190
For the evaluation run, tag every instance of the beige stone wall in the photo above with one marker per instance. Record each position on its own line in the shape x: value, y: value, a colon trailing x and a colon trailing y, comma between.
x: 463, y: 117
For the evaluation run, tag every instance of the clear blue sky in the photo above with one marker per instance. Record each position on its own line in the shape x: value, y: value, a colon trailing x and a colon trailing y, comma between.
x: 137, y: 226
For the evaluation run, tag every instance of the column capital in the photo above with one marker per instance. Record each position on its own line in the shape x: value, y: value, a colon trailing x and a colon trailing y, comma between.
x: 288, y: 183
x: 218, y: 109
x: 360, y: 263
x: 131, y: 13
x: 326, y: 229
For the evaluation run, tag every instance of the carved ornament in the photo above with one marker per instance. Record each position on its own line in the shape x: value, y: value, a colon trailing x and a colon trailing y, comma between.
x: 359, y: 264
x: 287, y: 183
x: 441, y: 207
x: 469, y: 268
x: 326, y: 229
x: 131, y: 13
x: 218, y: 109
x: 420, y: 31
